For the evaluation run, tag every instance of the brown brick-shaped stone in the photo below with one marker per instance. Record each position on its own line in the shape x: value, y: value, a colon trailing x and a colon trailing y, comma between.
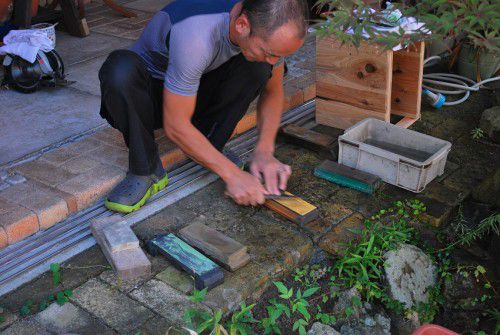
x: 18, y: 222
x: 92, y: 185
x: 442, y: 193
x: 334, y: 241
x: 44, y: 172
x: 110, y: 136
x: 437, y: 212
x: 80, y: 164
x: 293, y: 95
x: 107, y: 154
x: 49, y: 207
x: 59, y: 156
x: 84, y: 146
x: 4, y: 239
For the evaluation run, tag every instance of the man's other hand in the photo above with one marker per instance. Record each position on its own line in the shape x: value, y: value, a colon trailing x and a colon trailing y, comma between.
x: 271, y: 172
x: 245, y: 189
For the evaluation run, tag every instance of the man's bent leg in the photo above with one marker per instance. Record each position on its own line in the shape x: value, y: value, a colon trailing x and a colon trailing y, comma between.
x: 131, y: 102
x: 224, y: 96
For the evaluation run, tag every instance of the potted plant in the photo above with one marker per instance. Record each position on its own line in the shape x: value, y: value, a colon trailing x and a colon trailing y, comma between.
x: 474, y: 25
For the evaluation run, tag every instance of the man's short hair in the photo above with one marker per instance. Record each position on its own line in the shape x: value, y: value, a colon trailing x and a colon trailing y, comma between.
x: 266, y: 16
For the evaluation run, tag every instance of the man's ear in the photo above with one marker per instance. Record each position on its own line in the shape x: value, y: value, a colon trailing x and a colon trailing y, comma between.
x: 242, y: 25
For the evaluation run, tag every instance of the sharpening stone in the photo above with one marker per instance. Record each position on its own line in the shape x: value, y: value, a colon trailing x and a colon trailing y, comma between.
x: 293, y: 208
x: 347, y: 176
x: 229, y: 253
x: 206, y: 273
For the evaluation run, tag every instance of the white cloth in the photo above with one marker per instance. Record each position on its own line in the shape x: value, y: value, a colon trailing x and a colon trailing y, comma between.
x: 26, y: 43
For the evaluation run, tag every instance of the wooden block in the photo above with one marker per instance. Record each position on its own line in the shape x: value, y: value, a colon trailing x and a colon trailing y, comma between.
x: 407, y: 75
x: 119, y: 236
x: 206, y: 273
x: 340, y: 115
x: 130, y: 265
x: 229, y: 253
x: 359, y: 77
x: 347, y: 176
x: 309, y: 139
x: 293, y: 208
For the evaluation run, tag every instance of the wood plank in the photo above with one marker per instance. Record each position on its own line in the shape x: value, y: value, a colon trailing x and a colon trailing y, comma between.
x: 357, y: 77
x: 408, y: 67
x: 22, y: 13
x: 406, y: 122
x: 340, y: 115
x: 323, y: 144
x: 293, y: 208
x: 75, y: 25
x: 229, y: 253
x: 206, y: 273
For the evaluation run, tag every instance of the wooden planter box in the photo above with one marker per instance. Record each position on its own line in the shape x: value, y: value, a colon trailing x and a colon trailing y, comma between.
x: 354, y: 84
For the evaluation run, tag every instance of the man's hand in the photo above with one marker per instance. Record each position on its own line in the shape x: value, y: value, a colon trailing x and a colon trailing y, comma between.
x: 245, y: 189
x: 270, y: 171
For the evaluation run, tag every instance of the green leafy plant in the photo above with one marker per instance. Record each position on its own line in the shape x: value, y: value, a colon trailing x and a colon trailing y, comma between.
x: 477, y: 133
x: 240, y: 321
x: 55, y: 268
x: 26, y: 308
x: 494, y: 315
x: 464, y: 236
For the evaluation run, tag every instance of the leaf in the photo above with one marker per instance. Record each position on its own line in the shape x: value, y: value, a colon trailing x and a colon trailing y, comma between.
x: 281, y: 288
x: 310, y: 291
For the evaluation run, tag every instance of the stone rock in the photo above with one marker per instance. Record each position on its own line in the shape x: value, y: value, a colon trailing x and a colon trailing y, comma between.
x: 490, y: 123
x: 460, y: 292
x: 344, y: 301
x: 3, y: 185
x: 15, y: 179
x: 409, y: 273
x: 8, y: 318
x: 4, y: 174
x: 488, y: 190
x: 377, y: 325
x: 320, y: 329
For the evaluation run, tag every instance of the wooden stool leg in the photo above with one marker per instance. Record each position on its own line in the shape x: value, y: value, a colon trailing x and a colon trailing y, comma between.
x: 114, y: 6
x: 71, y: 16
x: 22, y: 13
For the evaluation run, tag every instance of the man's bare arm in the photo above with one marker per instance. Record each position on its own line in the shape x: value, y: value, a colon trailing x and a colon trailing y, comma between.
x: 244, y: 188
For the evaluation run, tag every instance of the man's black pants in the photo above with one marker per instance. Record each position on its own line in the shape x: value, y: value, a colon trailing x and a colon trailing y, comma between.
x: 132, y: 100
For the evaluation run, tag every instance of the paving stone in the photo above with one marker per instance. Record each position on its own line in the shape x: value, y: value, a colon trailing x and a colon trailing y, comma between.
x: 116, y: 309
x: 437, y: 212
x: 59, y: 156
x: 110, y: 277
x: 119, y: 237
x: 85, y: 145
x: 111, y: 137
x: 109, y: 155
x: 334, y: 241
x: 4, y: 238
x: 80, y: 164
x: 29, y: 124
x: 177, y: 279
x: 448, y: 170
x: 26, y: 327
x: 18, y: 222
x: 15, y: 179
x: 164, y: 300
x: 443, y: 194
x: 152, y: 6
x: 4, y: 174
x: 8, y: 318
x: 86, y: 74
x: 44, y: 172
x: 3, y: 185
x: 69, y: 319
x: 159, y: 325
x: 237, y: 287
x: 75, y: 50
x: 92, y: 185
x: 47, y: 204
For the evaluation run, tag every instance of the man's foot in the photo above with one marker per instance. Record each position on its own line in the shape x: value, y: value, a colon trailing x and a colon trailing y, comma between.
x: 131, y: 194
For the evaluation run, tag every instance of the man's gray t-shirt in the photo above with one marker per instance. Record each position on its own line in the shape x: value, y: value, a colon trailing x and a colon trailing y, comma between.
x: 186, y: 39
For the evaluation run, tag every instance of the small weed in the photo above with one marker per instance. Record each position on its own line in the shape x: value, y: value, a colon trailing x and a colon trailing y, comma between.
x: 55, y: 268
x: 477, y: 133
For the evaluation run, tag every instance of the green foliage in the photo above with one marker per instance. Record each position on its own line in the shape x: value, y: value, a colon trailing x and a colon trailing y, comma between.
x: 240, y: 321
x: 494, y: 315
x: 477, y: 133
x: 26, y: 308
x: 198, y: 296
x: 55, y: 268
x: 462, y: 235
x: 2, y: 319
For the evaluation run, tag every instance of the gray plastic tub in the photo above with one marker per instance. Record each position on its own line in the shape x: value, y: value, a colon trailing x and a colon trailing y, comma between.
x: 399, y: 156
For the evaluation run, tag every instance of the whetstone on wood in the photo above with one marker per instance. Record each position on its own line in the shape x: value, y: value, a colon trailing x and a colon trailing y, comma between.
x: 229, y: 253
x: 130, y: 264
x: 206, y: 273
x: 312, y: 140
x: 347, y: 176
x: 293, y: 208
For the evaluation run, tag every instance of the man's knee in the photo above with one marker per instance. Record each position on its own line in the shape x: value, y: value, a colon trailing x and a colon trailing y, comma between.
x: 120, y: 71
